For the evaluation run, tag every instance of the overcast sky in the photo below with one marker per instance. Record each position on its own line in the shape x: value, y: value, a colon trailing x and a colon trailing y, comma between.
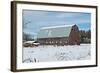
x: 33, y: 20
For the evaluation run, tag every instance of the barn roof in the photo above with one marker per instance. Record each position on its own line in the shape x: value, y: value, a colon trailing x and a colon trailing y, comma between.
x: 54, y: 31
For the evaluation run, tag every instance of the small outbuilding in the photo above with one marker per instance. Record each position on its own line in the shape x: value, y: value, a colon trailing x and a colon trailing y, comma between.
x: 59, y: 35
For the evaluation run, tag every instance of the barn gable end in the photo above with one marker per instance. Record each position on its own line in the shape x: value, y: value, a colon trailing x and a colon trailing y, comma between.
x: 74, y: 37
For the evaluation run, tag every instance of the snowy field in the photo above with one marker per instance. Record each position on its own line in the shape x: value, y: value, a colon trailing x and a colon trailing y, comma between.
x: 56, y: 53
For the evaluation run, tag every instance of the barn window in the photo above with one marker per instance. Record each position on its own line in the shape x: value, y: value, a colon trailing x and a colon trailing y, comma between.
x: 56, y: 41
x: 51, y: 41
x: 60, y: 41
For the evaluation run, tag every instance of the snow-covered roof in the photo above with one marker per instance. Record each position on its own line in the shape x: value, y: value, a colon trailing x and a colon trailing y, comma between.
x: 29, y: 41
x: 55, y: 31
x: 50, y: 27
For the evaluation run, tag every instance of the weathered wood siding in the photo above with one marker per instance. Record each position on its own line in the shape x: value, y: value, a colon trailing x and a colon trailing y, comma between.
x: 54, y: 41
x: 74, y: 37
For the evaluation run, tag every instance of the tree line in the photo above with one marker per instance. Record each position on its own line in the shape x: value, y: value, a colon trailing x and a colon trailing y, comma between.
x: 85, y: 36
x: 27, y: 37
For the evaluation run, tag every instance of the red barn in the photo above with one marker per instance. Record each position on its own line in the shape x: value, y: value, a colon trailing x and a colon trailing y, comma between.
x: 59, y: 35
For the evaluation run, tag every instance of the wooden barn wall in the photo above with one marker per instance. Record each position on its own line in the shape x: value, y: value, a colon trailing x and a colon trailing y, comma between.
x: 74, y: 37
x: 53, y: 41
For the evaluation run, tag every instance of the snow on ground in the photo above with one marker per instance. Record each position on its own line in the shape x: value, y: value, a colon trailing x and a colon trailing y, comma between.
x: 48, y: 53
